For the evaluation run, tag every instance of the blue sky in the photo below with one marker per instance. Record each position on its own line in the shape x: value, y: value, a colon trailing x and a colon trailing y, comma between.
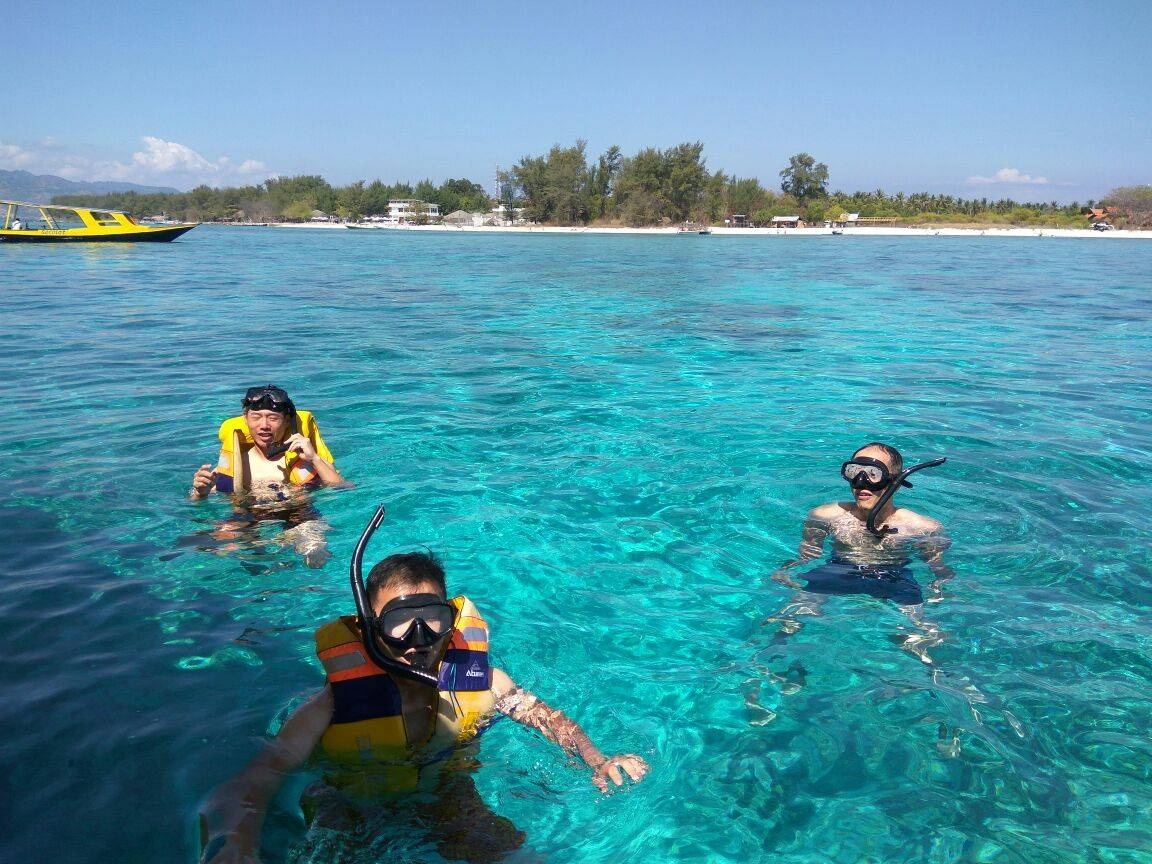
x: 1032, y: 100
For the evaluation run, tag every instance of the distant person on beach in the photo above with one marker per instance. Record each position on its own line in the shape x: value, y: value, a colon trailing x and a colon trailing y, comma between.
x: 864, y: 562
x: 269, y: 456
x: 396, y: 729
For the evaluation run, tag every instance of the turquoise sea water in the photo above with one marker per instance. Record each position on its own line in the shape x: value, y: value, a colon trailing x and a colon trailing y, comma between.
x: 611, y: 442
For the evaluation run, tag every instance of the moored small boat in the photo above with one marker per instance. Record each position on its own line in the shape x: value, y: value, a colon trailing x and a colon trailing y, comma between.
x: 21, y: 222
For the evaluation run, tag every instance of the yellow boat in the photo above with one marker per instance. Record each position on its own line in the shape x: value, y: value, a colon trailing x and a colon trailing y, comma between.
x: 53, y: 223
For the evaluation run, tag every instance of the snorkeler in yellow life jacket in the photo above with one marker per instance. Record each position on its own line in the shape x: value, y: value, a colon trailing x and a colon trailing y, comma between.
x: 367, y: 722
x: 236, y: 442
x: 271, y: 442
x: 367, y: 726
x: 408, y: 685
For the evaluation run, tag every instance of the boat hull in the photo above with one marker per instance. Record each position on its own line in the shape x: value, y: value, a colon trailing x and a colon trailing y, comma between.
x: 162, y: 234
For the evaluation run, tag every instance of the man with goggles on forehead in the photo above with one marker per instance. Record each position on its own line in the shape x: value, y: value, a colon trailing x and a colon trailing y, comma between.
x: 270, y: 444
x: 873, y: 542
x: 268, y: 456
x: 402, y: 709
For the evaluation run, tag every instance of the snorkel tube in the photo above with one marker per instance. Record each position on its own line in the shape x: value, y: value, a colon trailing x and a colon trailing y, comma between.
x: 901, y: 480
x: 364, y: 611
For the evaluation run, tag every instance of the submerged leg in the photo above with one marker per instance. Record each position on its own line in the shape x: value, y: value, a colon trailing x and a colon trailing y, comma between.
x: 464, y: 827
x: 927, y: 634
x: 803, y: 603
x: 310, y: 542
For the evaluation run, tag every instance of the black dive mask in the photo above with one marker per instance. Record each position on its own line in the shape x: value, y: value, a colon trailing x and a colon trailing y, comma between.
x: 862, y: 472
x: 416, y: 624
x: 268, y: 398
x: 415, y: 621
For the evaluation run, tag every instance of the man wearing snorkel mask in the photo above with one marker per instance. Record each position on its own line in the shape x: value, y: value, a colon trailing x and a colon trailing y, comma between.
x: 402, y: 704
x: 270, y: 444
x: 872, y: 544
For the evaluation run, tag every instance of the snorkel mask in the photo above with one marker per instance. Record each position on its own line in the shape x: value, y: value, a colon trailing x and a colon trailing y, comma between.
x: 416, y: 621
x: 862, y: 472
x: 873, y: 475
x: 268, y: 398
x: 420, y: 621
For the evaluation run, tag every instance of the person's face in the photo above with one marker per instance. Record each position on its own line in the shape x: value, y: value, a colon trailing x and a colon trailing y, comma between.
x: 265, y: 427
x: 386, y: 596
x: 865, y: 498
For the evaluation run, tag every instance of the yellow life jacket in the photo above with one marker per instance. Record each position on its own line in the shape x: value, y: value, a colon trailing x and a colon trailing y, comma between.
x: 367, y: 727
x: 236, y: 440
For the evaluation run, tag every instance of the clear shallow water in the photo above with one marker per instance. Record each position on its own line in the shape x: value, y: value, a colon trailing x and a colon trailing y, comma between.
x: 612, y: 442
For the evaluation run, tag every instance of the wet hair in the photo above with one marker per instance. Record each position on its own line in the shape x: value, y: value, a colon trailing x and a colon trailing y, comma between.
x: 407, y: 570
x: 894, y: 457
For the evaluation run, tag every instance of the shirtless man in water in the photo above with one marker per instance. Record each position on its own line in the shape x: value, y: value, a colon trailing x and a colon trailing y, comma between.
x: 863, y: 563
x: 281, y: 462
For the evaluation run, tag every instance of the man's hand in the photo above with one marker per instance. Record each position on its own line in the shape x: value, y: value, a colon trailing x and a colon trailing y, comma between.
x: 226, y: 850
x: 203, y: 481
x: 527, y: 709
x: 783, y: 578
x: 615, y: 767
x: 301, y: 445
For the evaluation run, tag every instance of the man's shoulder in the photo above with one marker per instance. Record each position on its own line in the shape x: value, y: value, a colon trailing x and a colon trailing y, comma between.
x: 918, y: 523
x: 828, y: 512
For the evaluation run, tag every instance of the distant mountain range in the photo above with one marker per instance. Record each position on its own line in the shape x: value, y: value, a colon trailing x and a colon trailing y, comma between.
x: 40, y: 188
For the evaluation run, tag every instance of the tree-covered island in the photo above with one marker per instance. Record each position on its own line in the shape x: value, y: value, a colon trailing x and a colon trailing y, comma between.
x: 651, y: 187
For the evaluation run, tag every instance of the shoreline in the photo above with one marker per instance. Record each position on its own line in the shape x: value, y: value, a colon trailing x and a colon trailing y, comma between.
x: 892, y: 231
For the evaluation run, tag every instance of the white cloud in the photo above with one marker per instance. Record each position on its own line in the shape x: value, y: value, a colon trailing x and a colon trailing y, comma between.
x: 160, y: 163
x: 1012, y: 176
x: 14, y: 158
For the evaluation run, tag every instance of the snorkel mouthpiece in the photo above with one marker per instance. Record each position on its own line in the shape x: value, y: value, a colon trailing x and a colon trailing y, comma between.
x: 422, y: 661
x: 416, y: 671
x: 278, y: 449
x: 901, y: 480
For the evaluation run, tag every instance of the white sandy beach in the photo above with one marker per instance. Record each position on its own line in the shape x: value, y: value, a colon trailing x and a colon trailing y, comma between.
x: 768, y: 232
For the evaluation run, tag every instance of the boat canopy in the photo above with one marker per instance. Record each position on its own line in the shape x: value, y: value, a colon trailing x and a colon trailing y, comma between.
x: 58, y: 217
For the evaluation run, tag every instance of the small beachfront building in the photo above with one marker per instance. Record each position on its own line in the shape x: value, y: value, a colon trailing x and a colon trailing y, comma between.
x: 411, y: 209
x: 464, y: 219
x: 787, y: 222
x: 842, y: 220
x: 500, y: 215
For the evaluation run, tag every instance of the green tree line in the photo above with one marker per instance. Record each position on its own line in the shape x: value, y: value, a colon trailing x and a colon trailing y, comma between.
x: 288, y: 198
x: 652, y: 187
x: 670, y: 186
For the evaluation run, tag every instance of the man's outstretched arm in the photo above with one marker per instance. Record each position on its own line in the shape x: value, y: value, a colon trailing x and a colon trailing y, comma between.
x: 527, y: 709
x: 233, y: 816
